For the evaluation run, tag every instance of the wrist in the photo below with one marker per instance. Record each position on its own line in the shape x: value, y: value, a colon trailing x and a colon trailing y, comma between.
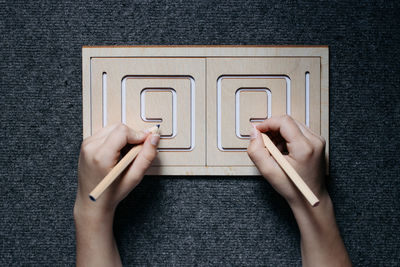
x: 95, y: 242
x: 305, y: 213
x: 301, y: 205
x: 317, y: 225
x: 321, y: 243
x: 90, y: 216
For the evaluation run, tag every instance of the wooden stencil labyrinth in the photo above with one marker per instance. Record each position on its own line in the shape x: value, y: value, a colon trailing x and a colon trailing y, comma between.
x: 204, y: 97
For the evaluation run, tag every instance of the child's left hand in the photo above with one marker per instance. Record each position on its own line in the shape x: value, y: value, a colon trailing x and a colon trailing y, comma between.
x: 99, y: 154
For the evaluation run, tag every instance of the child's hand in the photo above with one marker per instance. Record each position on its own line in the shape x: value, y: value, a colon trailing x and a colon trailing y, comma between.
x: 95, y: 242
x: 305, y: 152
x: 321, y: 244
x: 99, y: 154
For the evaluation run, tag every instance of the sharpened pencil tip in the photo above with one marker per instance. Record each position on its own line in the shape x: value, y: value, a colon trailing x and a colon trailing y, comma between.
x: 92, y: 198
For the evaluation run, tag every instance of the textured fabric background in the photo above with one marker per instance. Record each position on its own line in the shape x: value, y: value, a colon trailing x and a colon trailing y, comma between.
x: 200, y: 220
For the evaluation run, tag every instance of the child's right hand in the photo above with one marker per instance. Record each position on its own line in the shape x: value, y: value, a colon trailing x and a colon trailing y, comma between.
x: 305, y: 152
x: 321, y: 244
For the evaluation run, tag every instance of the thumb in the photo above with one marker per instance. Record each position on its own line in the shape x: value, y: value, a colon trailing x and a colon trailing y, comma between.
x: 258, y: 153
x: 136, y: 171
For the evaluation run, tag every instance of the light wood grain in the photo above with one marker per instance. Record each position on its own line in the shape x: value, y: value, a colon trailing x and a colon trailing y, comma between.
x: 253, y: 105
x: 158, y: 106
x: 182, y: 88
x: 252, y: 108
x: 290, y: 171
x: 118, y: 169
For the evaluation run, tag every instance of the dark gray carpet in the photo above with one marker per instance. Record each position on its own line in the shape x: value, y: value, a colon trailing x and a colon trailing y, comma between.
x: 195, y: 221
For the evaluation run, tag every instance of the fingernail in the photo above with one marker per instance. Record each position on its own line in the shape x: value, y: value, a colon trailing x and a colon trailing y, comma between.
x: 253, y: 133
x: 155, y: 138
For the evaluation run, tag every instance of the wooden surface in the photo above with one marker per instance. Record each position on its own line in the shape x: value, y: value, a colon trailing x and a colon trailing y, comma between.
x: 162, y: 108
x: 158, y: 108
x: 179, y: 68
x: 252, y: 105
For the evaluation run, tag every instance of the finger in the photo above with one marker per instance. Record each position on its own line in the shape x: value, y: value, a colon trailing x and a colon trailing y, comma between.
x: 298, y: 146
x: 260, y: 155
x: 100, y: 134
x: 285, y: 125
x: 135, y: 172
x: 120, y: 136
x: 305, y: 130
x: 308, y: 133
x: 105, y: 130
x: 318, y: 142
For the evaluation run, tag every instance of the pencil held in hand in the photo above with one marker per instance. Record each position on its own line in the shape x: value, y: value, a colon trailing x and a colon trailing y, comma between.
x: 118, y: 169
x: 290, y: 171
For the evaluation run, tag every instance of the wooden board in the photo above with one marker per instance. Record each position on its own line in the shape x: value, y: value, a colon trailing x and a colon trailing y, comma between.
x: 204, y: 97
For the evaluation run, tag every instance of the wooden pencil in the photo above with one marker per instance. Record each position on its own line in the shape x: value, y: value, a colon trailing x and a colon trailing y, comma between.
x: 118, y: 169
x: 290, y: 171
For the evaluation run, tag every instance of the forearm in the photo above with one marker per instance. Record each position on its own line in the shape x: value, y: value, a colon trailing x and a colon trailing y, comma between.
x: 95, y: 242
x: 321, y: 243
